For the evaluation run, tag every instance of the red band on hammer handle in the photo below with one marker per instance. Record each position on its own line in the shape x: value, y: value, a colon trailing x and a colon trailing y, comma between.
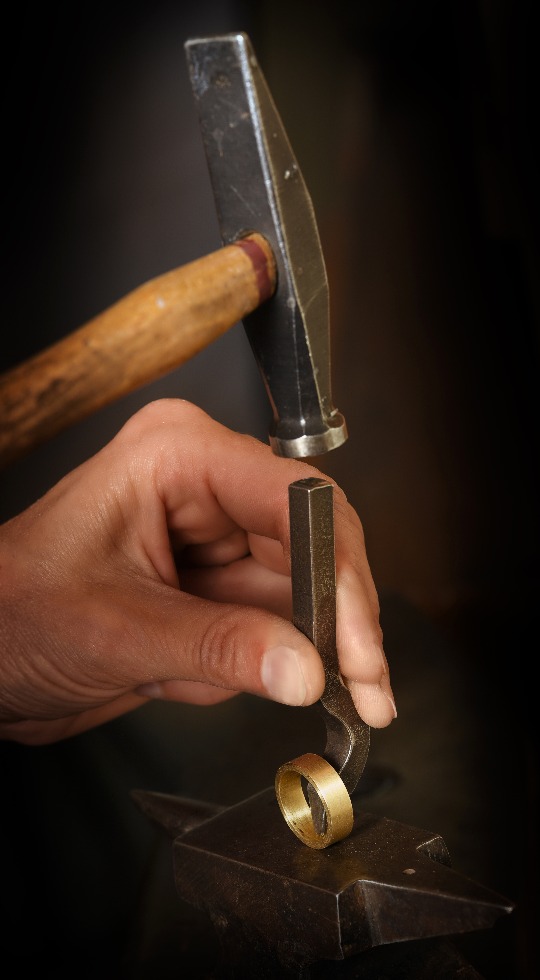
x: 262, y: 260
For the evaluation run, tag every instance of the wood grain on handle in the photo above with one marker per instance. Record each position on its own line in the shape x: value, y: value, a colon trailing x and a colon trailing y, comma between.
x: 142, y: 337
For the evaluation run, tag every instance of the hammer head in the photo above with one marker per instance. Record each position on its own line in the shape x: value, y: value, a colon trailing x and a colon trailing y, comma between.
x: 258, y: 187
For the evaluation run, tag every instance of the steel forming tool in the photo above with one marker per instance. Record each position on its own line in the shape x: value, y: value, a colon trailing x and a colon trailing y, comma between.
x: 332, y: 779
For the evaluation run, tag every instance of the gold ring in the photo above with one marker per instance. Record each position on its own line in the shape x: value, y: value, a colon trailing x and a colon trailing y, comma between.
x: 332, y: 794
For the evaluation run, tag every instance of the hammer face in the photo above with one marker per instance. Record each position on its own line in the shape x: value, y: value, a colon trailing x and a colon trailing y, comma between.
x: 258, y: 186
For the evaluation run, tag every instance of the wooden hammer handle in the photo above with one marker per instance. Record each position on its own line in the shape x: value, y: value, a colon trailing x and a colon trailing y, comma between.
x: 142, y: 337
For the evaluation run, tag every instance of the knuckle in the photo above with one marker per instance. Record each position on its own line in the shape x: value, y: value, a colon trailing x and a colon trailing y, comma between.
x: 222, y: 652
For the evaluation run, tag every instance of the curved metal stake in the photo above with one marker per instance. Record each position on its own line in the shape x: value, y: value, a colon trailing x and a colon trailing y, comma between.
x: 313, y: 571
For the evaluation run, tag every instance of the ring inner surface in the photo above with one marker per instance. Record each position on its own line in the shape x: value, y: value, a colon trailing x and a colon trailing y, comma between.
x: 296, y: 807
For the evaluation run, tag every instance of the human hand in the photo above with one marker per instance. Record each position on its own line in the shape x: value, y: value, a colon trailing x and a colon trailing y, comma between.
x: 160, y: 568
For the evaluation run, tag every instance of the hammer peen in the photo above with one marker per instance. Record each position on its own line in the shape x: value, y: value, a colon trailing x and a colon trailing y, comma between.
x: 270, y: 273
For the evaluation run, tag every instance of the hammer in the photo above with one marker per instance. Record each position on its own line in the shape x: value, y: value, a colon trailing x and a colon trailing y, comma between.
x: 270, y: 273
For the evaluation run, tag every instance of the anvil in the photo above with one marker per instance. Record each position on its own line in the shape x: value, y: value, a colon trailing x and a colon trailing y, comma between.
x: 280, y: 908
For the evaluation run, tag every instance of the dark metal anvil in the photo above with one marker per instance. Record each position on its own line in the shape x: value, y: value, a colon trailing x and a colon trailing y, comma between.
x: 279, y: 907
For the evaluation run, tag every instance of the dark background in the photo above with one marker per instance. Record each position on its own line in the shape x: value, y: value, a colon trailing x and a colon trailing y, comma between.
x: 413, y: 124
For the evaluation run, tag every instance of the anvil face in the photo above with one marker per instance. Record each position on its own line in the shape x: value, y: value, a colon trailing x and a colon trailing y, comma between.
x: 385, y: 883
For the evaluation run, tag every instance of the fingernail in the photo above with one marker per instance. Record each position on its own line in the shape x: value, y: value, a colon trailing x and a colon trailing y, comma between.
x: 392, y: 702
x: 387, y: 691
x: 154, y: 691
x: 282, y: 676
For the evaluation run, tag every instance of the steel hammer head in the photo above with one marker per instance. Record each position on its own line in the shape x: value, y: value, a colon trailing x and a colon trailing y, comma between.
x: 258, y: 187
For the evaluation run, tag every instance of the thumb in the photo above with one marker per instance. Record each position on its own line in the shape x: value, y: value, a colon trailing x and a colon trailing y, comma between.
x: 232, y: 647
